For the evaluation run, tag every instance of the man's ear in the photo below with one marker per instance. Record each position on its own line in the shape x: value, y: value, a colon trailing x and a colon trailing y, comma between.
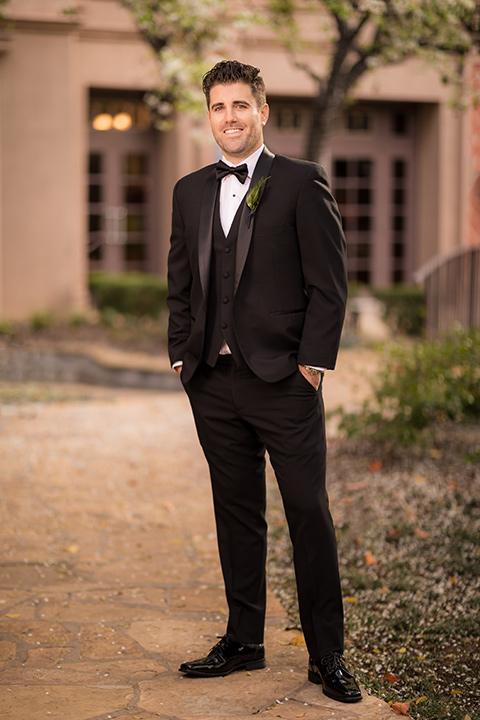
x: 264, y: 114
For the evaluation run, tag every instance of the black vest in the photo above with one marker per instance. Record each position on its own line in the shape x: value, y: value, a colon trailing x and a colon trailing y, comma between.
x: 219, y: 326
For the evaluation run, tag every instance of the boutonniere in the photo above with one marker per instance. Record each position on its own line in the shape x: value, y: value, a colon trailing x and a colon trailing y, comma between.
x: 253, y: 197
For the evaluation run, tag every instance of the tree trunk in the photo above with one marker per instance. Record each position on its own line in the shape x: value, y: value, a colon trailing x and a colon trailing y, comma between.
x: 326, y: 108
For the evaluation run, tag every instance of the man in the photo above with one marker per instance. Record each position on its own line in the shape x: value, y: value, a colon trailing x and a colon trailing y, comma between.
x: 257, y: 292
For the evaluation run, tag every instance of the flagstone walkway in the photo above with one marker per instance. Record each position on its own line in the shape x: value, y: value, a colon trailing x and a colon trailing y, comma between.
x: 109, y: 575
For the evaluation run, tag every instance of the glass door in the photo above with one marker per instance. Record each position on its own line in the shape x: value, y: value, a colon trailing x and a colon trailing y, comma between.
x: 121, y: 183
x: 372, y: 180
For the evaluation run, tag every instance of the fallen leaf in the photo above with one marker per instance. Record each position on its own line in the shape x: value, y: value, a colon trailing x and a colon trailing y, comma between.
x: 452, y: 484
x: 394, y: 533
x: 351, y: 599
x: 375, y: 466
x: 301, y: 715
x: 358, y: 485
x: 390, y: 677
x: 421, y: 700
x: 456, y: 692
x: 423, y: 534
x: 402, y: 650
x: 401, y: 708
x: 73, y: 549
x: 12, y: 616
x: 419, y: 479
x: 370, y: 559
x: 298, y: 640
x: 436, y: 454
x: 133, y: 482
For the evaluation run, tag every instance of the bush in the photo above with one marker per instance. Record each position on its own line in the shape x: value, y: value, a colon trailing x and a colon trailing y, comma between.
x: 129, y: 293
x: 77, y: 320
x: 405, y: 309
x: 421, y: 385
x: 7, y: 327
x: 41, y: 321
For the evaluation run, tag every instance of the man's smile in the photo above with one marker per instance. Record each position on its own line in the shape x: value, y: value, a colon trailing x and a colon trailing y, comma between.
x: 236, y: 120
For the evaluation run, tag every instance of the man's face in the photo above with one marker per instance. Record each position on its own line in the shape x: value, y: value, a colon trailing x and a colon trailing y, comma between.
x: 236, y: 120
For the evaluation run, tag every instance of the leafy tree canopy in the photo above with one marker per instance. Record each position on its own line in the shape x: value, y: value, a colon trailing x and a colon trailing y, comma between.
x: 185, y: 36
x: 364, y: 34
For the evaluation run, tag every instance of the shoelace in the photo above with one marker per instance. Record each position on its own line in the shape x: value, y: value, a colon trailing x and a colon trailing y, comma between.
x: 333, y: 662
x: 220, y: 646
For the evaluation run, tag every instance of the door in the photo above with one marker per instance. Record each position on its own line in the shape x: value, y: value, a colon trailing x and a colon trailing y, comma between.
x: 372, y: 179
x: 121, y: 179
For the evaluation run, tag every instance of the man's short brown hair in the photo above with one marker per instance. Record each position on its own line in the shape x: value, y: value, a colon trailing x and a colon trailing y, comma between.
x: 227, y: 72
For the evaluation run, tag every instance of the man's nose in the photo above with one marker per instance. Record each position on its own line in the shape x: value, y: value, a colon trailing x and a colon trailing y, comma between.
x: 231, y: 114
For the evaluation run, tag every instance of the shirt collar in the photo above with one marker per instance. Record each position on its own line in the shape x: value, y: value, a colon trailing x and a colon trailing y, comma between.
x: 251, y: 160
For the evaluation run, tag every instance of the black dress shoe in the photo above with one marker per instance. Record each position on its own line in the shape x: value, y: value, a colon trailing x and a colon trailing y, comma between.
x: 337, y: 682
x: 225, y: 657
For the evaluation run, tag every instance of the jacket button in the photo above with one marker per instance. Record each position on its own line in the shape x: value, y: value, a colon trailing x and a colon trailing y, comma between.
x: 225, y: 300
x: 224, y: 326
x: 227, y: 250
x: 226, y: 275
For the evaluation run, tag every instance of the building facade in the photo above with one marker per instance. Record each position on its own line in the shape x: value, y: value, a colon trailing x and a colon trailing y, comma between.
x: 86, y: 179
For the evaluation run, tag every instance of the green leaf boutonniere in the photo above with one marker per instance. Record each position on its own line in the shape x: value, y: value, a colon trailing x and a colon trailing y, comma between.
x: 253, y: 197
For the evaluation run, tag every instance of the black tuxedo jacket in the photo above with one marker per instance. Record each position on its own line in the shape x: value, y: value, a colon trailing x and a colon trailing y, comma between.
x: 290, y: 273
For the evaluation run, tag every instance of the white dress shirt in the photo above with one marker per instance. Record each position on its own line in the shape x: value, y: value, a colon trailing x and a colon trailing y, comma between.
x: 232, y: 191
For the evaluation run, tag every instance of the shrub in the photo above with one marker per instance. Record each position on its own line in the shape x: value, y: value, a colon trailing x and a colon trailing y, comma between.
x: 421, y: 385
x: 405, y: 309
x: 77, y: 320
x: 129, y: 293
x: 7, y: 327
x: 41, y: 320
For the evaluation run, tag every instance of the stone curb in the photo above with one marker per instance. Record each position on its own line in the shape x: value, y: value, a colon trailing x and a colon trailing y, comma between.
x: 89, y: 364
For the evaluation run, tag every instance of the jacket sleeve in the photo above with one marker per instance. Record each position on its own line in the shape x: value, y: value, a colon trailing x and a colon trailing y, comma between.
x: 323, y: 255
x: 179, y: 285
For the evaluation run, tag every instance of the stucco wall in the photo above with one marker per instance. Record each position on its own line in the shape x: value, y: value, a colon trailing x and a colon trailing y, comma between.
x: 49, y: 63
x: 42, y: 162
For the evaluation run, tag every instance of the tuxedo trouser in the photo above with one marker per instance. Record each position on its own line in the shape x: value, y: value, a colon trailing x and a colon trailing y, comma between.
x: 238, y: 416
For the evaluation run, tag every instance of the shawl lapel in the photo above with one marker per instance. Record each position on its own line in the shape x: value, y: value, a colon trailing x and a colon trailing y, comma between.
x: 205, y: 230
x: 245, y: 229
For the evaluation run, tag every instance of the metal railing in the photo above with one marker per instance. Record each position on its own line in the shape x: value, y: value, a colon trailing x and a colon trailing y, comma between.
x: 452, y: 286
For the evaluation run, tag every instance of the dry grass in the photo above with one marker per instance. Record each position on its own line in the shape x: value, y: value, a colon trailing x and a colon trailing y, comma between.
x: 408, y: 530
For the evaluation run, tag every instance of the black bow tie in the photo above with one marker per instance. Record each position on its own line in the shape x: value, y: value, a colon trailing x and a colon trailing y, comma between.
x: 240, y: 172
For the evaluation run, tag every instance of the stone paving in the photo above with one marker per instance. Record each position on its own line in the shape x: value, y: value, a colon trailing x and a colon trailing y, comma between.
x: 109, y: 575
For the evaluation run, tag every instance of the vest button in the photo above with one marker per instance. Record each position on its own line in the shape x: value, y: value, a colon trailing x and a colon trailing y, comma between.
x: 226, y: 275
x: 225, y: 300
x: 227, y: 250
x: 224, y: 326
